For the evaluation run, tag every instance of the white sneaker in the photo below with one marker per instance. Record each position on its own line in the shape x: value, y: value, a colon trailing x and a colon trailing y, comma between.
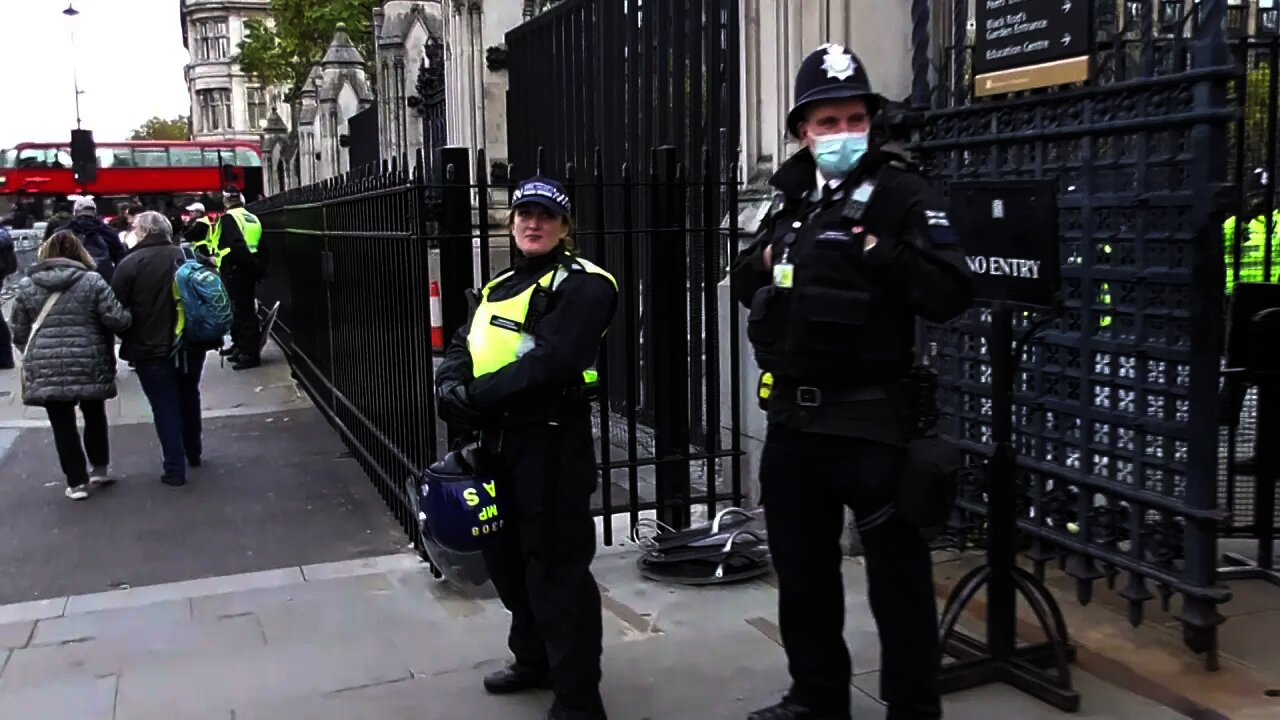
x: 77, y: 493
x: 98, y: 477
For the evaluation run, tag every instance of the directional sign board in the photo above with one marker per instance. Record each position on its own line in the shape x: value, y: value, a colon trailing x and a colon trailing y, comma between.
x: 1025, y: 44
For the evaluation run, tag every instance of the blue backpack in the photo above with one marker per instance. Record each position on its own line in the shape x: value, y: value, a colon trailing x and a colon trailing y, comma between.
x: 204, y: 309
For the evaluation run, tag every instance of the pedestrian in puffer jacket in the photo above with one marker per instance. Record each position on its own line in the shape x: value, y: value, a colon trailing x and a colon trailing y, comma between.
x: 68, y: 358
x: 102, y: 242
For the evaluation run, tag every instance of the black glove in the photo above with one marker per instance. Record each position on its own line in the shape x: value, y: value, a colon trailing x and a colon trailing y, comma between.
x: 456, y: 408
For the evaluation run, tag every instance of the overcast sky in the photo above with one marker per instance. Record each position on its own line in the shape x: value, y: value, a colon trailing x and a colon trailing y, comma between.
x: 129, y: 54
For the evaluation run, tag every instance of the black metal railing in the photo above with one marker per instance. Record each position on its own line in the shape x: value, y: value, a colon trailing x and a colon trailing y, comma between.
x: 351, y: 262
x: 627, y: 77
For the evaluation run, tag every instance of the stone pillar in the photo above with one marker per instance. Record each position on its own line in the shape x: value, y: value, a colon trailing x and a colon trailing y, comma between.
x: 500, y: 16
x: 274, y: 138
x: 476, y: 93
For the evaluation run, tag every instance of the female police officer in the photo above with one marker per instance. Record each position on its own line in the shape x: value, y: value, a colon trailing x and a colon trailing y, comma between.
x: 519, y: 373
x: 856, y: 247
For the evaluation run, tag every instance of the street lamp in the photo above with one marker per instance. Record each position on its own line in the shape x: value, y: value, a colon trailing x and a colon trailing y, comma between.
x: 71, y: 13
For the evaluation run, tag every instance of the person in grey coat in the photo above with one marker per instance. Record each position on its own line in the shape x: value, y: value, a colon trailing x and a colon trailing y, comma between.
x: 64, y: 314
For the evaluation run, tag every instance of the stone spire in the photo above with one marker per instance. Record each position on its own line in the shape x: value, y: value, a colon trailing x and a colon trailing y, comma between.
x: 342, y: 52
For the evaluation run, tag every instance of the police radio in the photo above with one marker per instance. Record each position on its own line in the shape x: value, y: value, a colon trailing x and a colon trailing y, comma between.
x: 855, y: 208
x: 539, y: 306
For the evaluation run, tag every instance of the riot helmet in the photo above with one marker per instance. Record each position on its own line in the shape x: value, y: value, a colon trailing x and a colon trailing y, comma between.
x: 832, y: 72
x: 458, y: 509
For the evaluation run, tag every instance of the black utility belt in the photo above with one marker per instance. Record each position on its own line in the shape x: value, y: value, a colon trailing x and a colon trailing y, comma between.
x: 807, y: 394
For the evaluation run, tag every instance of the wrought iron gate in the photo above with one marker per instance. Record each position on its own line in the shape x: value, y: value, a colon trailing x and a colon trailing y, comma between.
x: 1115, y: 410
x: 627, y: 78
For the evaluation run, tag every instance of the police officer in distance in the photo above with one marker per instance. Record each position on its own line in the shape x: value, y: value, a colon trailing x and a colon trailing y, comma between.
x: 855, y: 248
x: 1262, y: 214
x: 520, y: 373
x: 200, y: 230
x: 243, y: 264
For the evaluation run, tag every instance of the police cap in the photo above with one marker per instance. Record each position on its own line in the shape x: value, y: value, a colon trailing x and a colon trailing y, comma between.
x: 542, y: 191
x: 832, y: 72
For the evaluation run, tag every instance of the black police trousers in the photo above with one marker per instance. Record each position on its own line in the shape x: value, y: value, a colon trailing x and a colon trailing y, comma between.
x: 541, y: 567
x: 246, y: 333
x: 807, y: 479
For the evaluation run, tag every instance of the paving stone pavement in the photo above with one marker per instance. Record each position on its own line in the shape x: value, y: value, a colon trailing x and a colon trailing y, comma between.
x: 278, y: 488
x: 379, y: 638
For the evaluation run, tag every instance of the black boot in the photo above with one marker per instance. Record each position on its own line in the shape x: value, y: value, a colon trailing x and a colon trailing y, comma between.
x: 787, y: 710
x: 244, y: 362
x: 514, y: 679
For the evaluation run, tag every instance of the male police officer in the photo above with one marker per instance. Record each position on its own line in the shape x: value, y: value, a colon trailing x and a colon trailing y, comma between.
x: 237, y: 237
x: 1262, y: 218
x: 200, y: 232
x: 855, y: 248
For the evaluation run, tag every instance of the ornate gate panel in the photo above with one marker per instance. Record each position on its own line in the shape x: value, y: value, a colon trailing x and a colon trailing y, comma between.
x: 1115, y: 408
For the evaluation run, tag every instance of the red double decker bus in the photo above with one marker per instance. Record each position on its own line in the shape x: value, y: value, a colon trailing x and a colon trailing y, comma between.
x: 155, y: 173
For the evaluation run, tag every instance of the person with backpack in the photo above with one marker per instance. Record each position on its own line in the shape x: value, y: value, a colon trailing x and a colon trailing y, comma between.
x: 61, y: 216
x: 8, y: 266
x: 63, y: 317
x: 102, y: 242
x: 168, y: 359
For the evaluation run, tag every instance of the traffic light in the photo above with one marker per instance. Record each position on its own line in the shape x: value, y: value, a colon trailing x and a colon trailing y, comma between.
x: 84, y: 156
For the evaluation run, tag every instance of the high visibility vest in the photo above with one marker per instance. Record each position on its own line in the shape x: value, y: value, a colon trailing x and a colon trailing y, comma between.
x: 250, y: 228
x: 498, y: 336
x: 208, y: 245
x: 1254, y: 251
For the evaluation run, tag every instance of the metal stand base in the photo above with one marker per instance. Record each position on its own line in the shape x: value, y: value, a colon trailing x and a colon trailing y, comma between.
x: 1240, y: 567
x: 1040, y: 670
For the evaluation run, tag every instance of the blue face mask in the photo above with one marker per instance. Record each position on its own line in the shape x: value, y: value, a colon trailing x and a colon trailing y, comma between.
x: 837, y: 154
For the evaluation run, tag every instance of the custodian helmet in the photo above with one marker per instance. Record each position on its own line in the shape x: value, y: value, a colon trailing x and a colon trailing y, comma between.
x: 832, y: 72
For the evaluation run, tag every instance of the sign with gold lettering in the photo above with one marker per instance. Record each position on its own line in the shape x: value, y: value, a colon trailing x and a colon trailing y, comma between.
x: 1025, y: 44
